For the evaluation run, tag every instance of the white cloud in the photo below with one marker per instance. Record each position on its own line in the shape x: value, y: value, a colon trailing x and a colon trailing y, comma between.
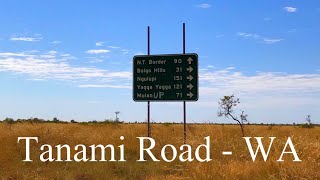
x: 279, y: 93
x: 203, y: 69
x: 52, y: 52
x: 93, y: 102
x: 97, y: 51
x: 139, y: 53
x: 55, y: 42
x: 260, y: 38
x: 125, y: 51
x: 230, y: 68
x: 104, y: 86
x: 271, y: 41
x: 257, y: 91
x: 243, y: 34
x: 10, y: 54
x: 57, y: 67
x: 230, y: 81
x: 114, y: 47
x: 36, y: 79
x: 290, y: 9
x: 99, y: 43
x: 28, y: 39
x: 95, y: 60
x: 205, y: 6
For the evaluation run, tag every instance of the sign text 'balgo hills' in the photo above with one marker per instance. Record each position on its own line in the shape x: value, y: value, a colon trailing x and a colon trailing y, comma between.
x: 172, y: 77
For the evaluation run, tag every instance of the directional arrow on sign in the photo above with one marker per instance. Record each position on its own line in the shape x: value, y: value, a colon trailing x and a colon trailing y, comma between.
x: 189, y: 69
x: 190, y: 60
x: 190, y: 78
x: 190, y: 86
x: 190, y: 94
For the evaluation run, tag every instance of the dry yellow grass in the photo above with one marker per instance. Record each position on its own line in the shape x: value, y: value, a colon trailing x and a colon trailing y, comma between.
x: 227, y: 137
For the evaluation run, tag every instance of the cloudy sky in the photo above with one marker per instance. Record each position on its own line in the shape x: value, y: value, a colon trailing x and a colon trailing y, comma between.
x: 73, y: 60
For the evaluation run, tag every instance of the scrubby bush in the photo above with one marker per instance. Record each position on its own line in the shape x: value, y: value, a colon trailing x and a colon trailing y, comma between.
x: 55, y: 120
x: 9, y: 121
x: 167, y: 124
x: 308, y: 124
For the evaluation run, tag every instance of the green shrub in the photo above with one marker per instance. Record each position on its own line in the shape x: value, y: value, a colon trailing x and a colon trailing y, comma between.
x: 307, y: 125
x: 9, y: 121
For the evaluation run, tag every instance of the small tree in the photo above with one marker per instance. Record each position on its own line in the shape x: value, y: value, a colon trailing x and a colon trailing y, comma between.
x: 226, y: 108
x: 308, y: 119
x: 9, y: 121
x: 243, y: 117
x: 309, y: 123
x: 117, y: 112
x: 55, y: 120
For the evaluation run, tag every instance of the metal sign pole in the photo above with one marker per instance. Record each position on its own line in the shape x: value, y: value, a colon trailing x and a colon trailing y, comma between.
x: 149, y: 128
x: 166, y: 77
x: 184, y: 102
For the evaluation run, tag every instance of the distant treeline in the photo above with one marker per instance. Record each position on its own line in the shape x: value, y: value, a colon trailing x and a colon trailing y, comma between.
x: 110, y: 121
x: 54, y: 120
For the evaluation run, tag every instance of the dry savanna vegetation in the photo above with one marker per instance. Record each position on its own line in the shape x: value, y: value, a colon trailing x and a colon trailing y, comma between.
x: 239, y: 165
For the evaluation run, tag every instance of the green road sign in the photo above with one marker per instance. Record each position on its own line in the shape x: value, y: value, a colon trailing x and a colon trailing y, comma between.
x: 170, y: 77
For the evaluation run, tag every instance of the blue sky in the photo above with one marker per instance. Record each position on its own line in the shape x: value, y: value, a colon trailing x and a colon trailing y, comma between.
x: 73, y: 60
